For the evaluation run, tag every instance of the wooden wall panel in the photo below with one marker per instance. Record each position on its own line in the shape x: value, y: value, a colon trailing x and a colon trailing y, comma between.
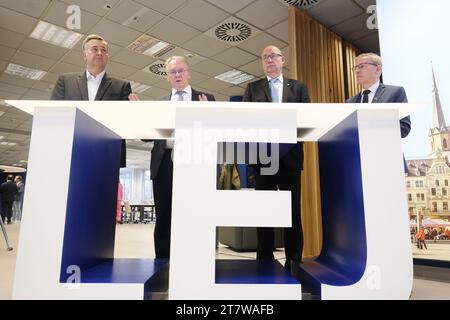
x: 322, y: 60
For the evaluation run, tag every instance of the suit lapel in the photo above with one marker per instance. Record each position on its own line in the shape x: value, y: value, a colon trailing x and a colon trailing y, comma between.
x: 286, y: 87
x: 195, y: 95
x: 82, y: 86
x: 104, y: 85
x: 378, y: 93
x: 266, y: 89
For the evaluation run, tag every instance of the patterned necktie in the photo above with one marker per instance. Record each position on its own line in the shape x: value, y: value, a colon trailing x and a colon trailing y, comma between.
x: 366, y: 96
x: 180, y: 95
x: 274, y: 89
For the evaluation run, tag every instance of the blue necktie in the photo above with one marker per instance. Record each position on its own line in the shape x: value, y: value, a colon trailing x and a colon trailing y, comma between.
x: 274, y: 89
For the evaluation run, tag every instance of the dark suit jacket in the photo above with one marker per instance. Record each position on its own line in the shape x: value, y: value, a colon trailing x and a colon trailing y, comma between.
x: 8, y: 190
x: 389, y: 94
x: 293, y: 91
x: 159, y: 145
x: 73, y: 86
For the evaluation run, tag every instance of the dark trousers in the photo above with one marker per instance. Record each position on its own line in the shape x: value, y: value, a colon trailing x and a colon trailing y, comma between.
x: 162, y: 191
x: 293, y: 237
x: 7, y: 210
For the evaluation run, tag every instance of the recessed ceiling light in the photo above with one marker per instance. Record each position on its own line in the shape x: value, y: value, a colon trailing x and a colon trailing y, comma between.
x: 150, y: 46
x: 234, y: 76
x: 137, y: 87
x: 56, y: 35
x: 25, y: 72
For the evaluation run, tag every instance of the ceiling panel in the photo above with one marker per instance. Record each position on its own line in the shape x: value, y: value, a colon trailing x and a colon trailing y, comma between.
x: 16, y: 22
x: 144, y: 77
x: 281, y: 30
x: 11, y: 39
x: 173, y: 31
x: 369, y: 43
x: 12, y: 88
x: 134, y: 15
x: 205, y: 45
x: 257, y: 13
x: 162, y: 6
x: 32, y: 61
x: 17, y: 81
x: 254, y: 68
x: 235, y: 57
x: 353, y: 28
x: 210, y: 67
x: 199, y: 14
x: 130, y: 58
x: 43, y: 49
x: 156, y: 92
x: 50, y: 78
x: 332, y: 12
x: 197, y: 77
x: 62, y: 67
x: 256, y: 44
x: 214, y: 85
x: 9, y: 96
x: 115, y: 33
x: 119, y: 69
x: 57, y: 15
x: 98, y: 7
x: 231, y: 6
x: 32, y: 8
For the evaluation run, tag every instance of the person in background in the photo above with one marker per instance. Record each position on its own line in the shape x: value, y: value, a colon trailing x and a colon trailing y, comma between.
x: 8, y: 191
x: 17, y: 205
x: 119, y: 203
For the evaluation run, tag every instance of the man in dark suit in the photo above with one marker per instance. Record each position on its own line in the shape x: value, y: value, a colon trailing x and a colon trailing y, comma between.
x: 276, y: 88
x: 368, y: 69
x: 94, y: 83
x: 8, y: 191
x: 161, y: 165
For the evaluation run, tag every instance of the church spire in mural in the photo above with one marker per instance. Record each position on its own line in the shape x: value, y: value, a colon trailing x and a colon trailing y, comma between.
x: 438, y: 115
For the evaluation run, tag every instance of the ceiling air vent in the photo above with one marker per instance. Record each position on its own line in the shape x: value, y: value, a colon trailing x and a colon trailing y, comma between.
x: 302, y: 4
x: 156, y: 68
x: 232, y: 31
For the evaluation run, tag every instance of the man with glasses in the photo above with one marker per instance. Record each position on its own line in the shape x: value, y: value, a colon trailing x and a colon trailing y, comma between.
x: 368, y: 69
x: 276, y: 88
x: 94, y: 83
x: 161, y: 165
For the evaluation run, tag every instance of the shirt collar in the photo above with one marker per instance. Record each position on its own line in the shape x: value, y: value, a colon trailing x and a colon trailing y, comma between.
x: 188, y: 90
x: 373, y: 88
x: 89, y: 76
x: 280, y: 77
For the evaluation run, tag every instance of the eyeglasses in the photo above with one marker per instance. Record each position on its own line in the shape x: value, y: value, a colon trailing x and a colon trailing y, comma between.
x: 271, y: 56
x: 174, y: 72
x: 363, y: 65
x: 96, y: 49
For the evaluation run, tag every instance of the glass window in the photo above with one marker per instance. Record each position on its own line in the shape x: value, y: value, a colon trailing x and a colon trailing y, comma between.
x: 148, y: 187
x: 433, y: 191
x: 434, y: 206
x: 126, y: 179
x: 437, y: 183
x: 445, y: 206
x: 409, y: 197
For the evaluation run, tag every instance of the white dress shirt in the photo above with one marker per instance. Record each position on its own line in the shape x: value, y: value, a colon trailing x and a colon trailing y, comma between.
x: 187, y: 95
x: 93, y: 83
x: 279, y: 87
x: 373, y: 88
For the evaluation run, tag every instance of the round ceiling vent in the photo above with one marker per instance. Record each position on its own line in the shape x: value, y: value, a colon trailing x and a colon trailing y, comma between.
x: 233, y: 32
x: 159, y: 69
x: 303, y: 4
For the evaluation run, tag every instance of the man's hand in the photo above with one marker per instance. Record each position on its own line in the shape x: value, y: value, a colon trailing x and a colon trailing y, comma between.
x: 202, y: 97
x: 133, y: 97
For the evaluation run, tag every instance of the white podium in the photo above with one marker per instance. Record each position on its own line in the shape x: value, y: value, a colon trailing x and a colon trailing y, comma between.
x: 67, y: 235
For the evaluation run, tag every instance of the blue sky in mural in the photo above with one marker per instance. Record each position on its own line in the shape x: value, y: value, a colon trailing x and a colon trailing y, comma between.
x: 413, y: 39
